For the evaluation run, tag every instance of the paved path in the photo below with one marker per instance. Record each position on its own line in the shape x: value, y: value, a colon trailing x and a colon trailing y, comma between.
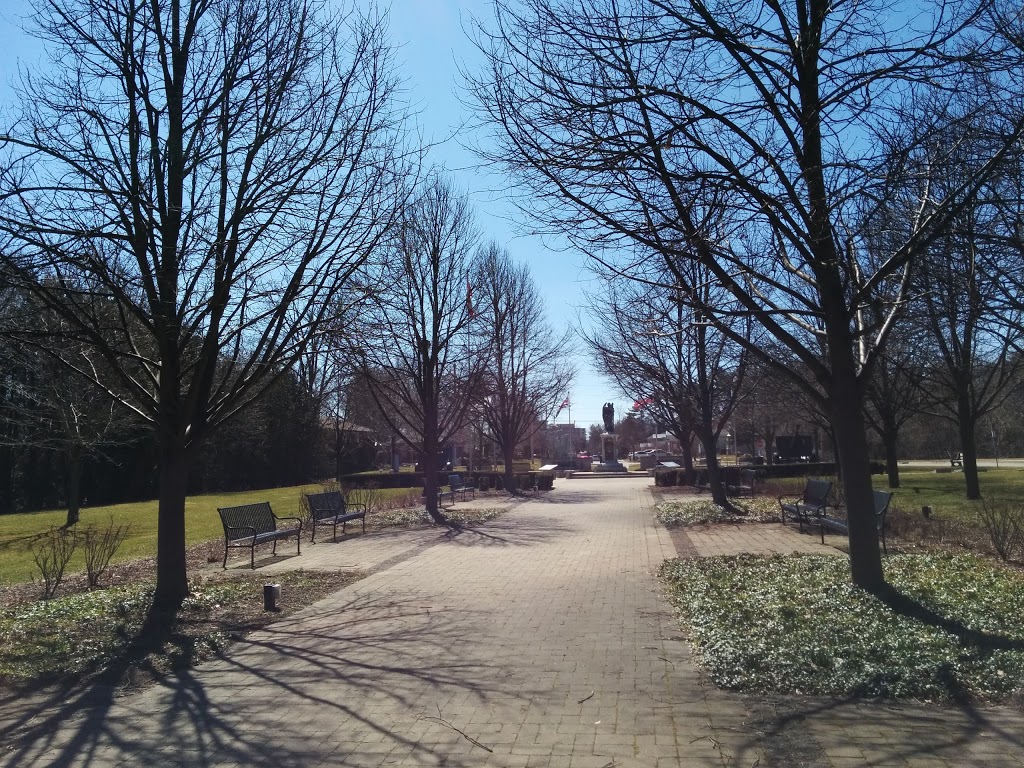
x: 541, y: 639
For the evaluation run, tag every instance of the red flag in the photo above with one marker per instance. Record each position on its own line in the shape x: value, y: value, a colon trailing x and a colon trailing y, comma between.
x: 469, y: 298
x: 565, y: 404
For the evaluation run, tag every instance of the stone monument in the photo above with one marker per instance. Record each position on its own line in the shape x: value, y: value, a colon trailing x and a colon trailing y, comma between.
x: 609, y: 451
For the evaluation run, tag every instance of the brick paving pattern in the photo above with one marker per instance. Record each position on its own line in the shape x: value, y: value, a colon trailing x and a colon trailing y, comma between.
x: 540, y: 639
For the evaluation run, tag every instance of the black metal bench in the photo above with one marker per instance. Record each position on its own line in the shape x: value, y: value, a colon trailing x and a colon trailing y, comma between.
x: 740, y: 483
x: 252, y: 524
x: 443, y: 491
x: 881, y: 503
x: 330, y: 508
x: 810, y: 505
x: 457, y: 486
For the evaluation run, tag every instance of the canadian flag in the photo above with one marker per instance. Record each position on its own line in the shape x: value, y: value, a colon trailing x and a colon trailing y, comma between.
x: 565, y: 404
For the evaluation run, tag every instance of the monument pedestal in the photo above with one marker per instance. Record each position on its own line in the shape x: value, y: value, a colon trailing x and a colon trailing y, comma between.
x: 609, y: 454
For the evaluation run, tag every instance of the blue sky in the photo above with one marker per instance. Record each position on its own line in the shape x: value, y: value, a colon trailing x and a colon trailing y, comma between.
x: 432, y: 45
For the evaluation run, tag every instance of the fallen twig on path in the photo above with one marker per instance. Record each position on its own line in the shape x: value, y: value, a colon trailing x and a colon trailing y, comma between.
x: 580, y: 701
x: 461, y: 732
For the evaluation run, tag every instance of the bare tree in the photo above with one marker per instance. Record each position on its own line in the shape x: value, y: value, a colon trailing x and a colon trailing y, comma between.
x: 894, y: 396
x: 972, y: 333
x: 654, y: 346
x: 418, y: 350
x: 212, y: 170
x: 634, y: 128
x: 528, y: 373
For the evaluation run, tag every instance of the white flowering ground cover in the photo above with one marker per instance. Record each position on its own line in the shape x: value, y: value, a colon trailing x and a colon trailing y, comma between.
x: 697, y: 510
x: 796, y: 624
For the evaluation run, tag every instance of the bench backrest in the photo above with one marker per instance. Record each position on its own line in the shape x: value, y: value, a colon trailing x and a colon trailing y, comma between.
x: 747, y: 477
x: 325, y: 505
x: 248, y: 519
x: 455, y: 481
x: 816, y: 492
x: 882, y: 499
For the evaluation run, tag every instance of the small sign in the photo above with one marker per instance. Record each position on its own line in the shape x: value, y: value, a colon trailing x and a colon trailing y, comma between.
x: 669, y: 464
x: 548, y: 467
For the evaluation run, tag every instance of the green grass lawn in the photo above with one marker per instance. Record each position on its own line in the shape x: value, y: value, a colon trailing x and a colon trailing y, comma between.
x: 18, y: 532
x: 945, y: 492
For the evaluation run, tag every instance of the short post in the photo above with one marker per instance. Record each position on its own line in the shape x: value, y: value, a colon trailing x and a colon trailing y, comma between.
x: 271, y: 595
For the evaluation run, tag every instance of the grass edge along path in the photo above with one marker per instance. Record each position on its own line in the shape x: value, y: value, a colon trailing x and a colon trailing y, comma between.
x: 795, y: 624
x: 20, y: 531
x: 78, y: 636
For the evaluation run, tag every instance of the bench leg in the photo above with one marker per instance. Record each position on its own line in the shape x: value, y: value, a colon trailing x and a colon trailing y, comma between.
x: 363, y: 518
x: 225, y: 554
x: 252, y: 556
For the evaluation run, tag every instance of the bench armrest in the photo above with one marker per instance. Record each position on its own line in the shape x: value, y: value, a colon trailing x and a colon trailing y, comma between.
x: 251, y: 528
x: 296, y: 519
x: 355, y: 506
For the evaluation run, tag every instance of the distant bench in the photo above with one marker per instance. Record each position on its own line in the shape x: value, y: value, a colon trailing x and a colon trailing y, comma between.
x: 330, y: 508
x: 251, y: 524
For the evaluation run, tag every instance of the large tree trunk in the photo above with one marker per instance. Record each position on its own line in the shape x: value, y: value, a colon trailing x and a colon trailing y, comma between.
x: 968, y: 444
x: 74, y: 485
x: 846, y: 405
x: 715, y: 478
x: 171, y: 574
x: 430, y: 480
x: 510, y: 476
x: 892, y: 466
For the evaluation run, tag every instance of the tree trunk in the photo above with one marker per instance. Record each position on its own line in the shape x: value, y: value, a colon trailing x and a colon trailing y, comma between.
x: 892, y: 467
x: 511, y: 486
x: 715, y: 478
x: 968, y: 444
x: 171, y: 574
x: 687, y: 451
x: 74, y: 485
x: 846, y: 404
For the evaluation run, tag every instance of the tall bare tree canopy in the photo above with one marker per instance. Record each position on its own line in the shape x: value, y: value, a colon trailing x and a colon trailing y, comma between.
x: 417, y: 350
x: 214, y: 171
x: 755, y: 137
x: 655, y: 347
x: 528, y: 373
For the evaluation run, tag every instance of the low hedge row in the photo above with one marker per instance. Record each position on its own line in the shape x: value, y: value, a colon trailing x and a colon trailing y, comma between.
x: 485, y: 481
x: 665, y: 477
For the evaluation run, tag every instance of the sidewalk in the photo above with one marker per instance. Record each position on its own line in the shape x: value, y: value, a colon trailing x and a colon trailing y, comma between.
x: 540, y: 639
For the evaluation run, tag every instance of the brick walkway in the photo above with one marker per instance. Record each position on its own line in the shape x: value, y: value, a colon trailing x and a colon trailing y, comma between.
x: 541, y: 639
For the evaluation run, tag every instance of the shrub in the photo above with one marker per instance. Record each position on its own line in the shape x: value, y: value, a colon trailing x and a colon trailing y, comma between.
x: 545, y: 482
x: 1003, y: 520
x: 100, y: 547
x: 52, y: 552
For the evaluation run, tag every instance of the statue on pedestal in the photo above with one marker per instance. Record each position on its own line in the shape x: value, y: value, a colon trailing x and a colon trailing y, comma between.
x: 608, y: 413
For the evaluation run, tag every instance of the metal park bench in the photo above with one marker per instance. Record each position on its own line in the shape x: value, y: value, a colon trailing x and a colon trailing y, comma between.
x: 457, y: 486
x: 812, y: 503
x: 330, y: 508
x: 881, y: 504
x: 251, y: 524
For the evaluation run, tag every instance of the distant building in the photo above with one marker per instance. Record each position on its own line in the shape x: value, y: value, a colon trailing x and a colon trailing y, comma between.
x: 562, y: 441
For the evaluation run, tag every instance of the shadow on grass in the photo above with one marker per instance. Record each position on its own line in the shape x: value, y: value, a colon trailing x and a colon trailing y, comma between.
x: 335, y: 672
x: 905, y: 605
